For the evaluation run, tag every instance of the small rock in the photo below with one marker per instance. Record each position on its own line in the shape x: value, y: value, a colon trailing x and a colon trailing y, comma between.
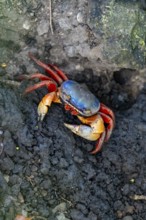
x: 79, y: 35
x: 80, y: 18
x: 44, y: 193
x: 1, y: 132
x: 130, y: 209
x: 3, y: 184
x: 78, y: 160
x: 65, y: 24
x: 42, y: 28
x: 143, y: 116
x: 92, y: 216
x: 70, y: 51
x: 61, y: 216
x: 45, y: 170
x: 7, y: 177
x: 20, y: 197
x: 128, y: 217
x: 141, y: 127
x: 76, y: 214
x: 60, y: 208
x: 18, y: 168
x: 7, y: 164
x: 82, y: 208
x: 26, y: 25
x: 9, y: 145
x: 34, y: 168
x: 46, y: 184
x: 63, y: 163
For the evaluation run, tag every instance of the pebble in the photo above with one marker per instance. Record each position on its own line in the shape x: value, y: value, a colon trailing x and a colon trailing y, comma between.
x: 65, y: 24
x: 9, y: 145
x: 63, y: 163
x: 82, y: 208
x: 78, y: 160
x: 128, y: 217
x: 1, y: 132
x: 46, y: 184
x: 60, y: 208
x: 34, y: 168
x: 43, y: 28
x: 76, y: 214
x: 143, y: 116
x: 141, y: 127
x: 7, y: 164
x: 70, y: 51
x: 3, y: 184
x: 61, y: 216
x: 80, y: 18
x: 26, y: 25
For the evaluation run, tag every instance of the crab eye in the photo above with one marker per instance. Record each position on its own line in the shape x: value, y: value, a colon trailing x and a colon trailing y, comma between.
x: 87, y: 112
x: 66, y: 97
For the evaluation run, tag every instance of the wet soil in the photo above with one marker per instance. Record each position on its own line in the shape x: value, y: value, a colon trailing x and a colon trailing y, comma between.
x: 47, y: 172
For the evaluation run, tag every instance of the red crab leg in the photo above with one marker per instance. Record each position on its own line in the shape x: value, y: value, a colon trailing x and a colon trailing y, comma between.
x: 33, y: 76
x: 110, y: 126
x: 49, y: 84
x: 99, y: 143
x: 40, y: 76
x: 107, y: 111
x: 47, y: 68
x: 59, y: 72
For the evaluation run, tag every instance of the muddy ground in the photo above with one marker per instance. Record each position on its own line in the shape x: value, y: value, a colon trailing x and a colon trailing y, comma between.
x: 47, y: 172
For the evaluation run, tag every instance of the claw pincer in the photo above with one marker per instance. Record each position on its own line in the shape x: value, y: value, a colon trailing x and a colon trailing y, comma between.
x: 97, y: 119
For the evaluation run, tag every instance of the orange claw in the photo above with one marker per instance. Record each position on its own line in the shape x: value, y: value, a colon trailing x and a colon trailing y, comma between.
x: 45, y: 103
x: 93, y: 131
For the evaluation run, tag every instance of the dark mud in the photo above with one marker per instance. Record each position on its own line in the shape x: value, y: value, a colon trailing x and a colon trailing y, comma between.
x: 47, y: 172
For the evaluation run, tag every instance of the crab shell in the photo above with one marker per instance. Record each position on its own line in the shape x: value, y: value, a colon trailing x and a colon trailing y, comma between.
x: 79, y: 97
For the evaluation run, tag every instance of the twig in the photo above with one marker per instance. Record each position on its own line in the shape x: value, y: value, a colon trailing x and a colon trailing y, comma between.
x: 50, y: 8
x: 10, y: 82
x: 139, y: 197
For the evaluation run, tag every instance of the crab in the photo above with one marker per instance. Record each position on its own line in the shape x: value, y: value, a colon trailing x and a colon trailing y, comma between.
x: 97, y: 119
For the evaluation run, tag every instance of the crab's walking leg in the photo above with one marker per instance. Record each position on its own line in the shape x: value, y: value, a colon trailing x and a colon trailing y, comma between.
x: 40, y: 76
x: 59, y: 72
x: 99, y: 143
x: 34, y: 76
x: 45, y: 103
x: 110, y: 126
x: 54, y: 75
x: 92, y: 131
x: 49, y: 84
x: 104, y: 109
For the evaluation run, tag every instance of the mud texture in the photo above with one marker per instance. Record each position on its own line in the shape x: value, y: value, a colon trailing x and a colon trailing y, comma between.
x: 47, y: 172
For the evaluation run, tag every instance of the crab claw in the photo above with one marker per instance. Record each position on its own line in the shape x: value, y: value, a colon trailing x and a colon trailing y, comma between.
x: 92, y: 131
x: 83, y: 131
x: 45, y: 103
